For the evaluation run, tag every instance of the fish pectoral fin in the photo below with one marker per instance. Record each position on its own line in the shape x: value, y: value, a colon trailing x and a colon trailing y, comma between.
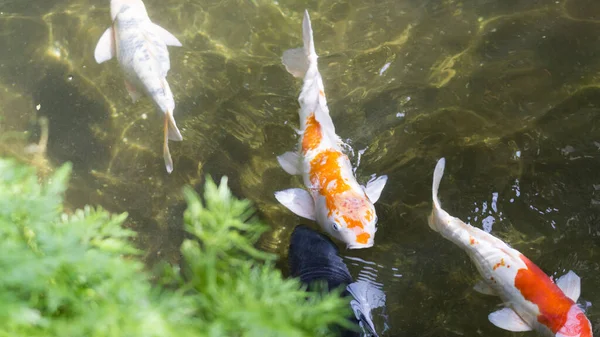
x: 290, y: 163
x: 105, y: 49
x: 483, y: 288
x: 168, y: 38
x: 375, y: 187
x: 295, y: 61
x: 508, y: 319
x: 133, y: 92
x: 570, y: 284
x: 298, y: 201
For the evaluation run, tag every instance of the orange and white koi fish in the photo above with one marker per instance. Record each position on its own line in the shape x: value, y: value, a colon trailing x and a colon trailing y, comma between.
x: 533, y: 301
x: 141, y: 49
x: 336, y: 201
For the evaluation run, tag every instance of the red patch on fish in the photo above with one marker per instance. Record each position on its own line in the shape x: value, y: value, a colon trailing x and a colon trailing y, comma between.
x: 499, y: 264
x: 472, y: 241
x: 583, y: 329
x: 312, y: 134
x: 538, y: 288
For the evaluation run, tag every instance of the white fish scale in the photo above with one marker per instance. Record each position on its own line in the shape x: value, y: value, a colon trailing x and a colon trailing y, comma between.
x: 144, y: 57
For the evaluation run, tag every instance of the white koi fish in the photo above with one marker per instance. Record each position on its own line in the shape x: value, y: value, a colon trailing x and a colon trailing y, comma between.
x: 336, y: 201
x: 532, y: 300
x: 141, y: 49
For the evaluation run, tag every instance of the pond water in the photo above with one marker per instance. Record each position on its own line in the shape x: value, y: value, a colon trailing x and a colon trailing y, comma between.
x: 507, y: 90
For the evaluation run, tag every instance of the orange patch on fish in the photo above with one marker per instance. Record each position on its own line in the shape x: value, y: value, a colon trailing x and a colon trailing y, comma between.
x: 352, y: 222
x: 499, y: 264
x: 312, y: 134
x: 369, y: 215
x: 326, y: 176
x: 538, y: 288
x: 363, y: 238
x: 472, y: 241
x: 321, y: 93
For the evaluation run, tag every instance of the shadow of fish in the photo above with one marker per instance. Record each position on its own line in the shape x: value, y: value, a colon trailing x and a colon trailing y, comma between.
x: 313, y: 257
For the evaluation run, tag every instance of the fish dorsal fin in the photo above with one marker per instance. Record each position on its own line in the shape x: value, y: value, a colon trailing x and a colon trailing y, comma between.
x: 168, y: 38
x: 483, y: 288
x: 290, y: 163
x: 375, y: 187
x: 508, y: 319
x: 105, y: 49
x: 295, y: 62
x: 570, y: 284
x: 298, y: 201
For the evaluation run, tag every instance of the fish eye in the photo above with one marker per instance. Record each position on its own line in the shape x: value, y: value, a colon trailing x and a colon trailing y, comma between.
x: 336, y: 227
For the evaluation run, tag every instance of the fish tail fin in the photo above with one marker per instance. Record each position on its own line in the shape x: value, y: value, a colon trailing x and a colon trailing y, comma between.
x: 297, y: 61
x: 438, y: 173
x: 366, y: 297
x: 307, y: 36
x: 173, y: 131
x: 170, y: 132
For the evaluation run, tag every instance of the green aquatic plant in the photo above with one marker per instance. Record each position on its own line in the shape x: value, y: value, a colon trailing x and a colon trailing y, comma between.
x: 80, y: 275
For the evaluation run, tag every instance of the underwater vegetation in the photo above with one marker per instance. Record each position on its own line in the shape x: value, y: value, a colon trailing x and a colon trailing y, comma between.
x: 77, y: 273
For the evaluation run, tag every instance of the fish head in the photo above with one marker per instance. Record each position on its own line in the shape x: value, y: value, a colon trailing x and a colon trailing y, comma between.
x: 351, y: 219
x: 116, y: 6
x: 576, y: 325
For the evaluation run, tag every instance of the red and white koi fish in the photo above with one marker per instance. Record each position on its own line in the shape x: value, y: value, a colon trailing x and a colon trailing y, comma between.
x: 141, y: 49
x: 533, y: 301
x: 336, y: 201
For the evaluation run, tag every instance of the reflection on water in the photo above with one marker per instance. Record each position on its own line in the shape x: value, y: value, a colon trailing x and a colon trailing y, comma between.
x: 507, y: 91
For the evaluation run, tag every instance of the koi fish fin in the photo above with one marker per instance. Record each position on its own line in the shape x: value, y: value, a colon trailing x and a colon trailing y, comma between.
x: 483, y: 288
x: 375, y: 187
x: 570, y: 284
x: 105, y: 49
x: 290, y: 163
x: 133, y: 92
x: 166, y: 152
x: 295, y: 62
x: 437, y: 178
x: 298, y: 201
x: 438, y: 173
x: 366, y: 297
x: 507, y: 319
x: 173, y: 132
x: 168, y: 38
x: 307, y: 37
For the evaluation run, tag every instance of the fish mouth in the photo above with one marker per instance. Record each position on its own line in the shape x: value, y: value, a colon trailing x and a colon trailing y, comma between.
x: 360, y: 245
